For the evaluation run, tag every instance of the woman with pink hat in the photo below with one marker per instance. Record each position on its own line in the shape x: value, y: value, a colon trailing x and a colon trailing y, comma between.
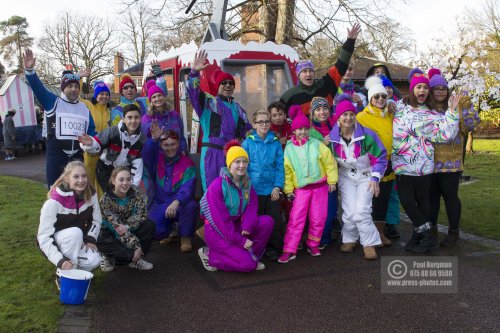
x: 159, y: 112
x: 415, y: 128
x: 362, y: 161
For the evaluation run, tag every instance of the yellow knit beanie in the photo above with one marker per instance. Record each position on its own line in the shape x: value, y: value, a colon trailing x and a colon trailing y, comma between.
x: 233, y: 153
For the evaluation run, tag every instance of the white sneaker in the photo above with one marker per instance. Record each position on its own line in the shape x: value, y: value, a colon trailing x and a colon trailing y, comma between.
x: 141, y: 265
x: 260, y: 266
x: 204, y: 259
x: 106, y: 265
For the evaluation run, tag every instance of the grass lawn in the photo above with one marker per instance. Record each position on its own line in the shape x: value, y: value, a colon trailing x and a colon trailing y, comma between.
x: 29, y: 301
x: 481, y: 199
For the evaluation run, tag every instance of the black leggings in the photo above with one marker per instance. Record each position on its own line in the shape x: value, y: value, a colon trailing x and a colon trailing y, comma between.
x: 414, y: 194
x: 109, y: 245
x: 273, y: 209
x: 380, y: 204
x: 445, y: 184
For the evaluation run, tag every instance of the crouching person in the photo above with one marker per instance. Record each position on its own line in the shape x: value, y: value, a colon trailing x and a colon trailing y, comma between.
x: 170, y: 185
x: 235, y: 234
x: 127, y: 233
x: 70, y: 221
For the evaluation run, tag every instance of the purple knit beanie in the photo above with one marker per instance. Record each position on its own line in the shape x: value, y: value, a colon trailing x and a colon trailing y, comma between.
x: 436, y: 79
x: 298, y: 117
x: 303, y: 64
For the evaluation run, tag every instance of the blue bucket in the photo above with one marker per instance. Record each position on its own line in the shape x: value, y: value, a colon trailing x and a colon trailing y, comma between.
x: 73, y: 285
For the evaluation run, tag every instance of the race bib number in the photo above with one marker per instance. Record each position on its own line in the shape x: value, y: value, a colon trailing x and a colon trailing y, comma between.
x: 70, y: 127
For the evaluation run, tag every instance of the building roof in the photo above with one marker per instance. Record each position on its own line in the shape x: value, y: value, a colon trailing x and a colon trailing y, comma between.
x: 7, y: 84
x: 363, y: 64
x: 135, y: 70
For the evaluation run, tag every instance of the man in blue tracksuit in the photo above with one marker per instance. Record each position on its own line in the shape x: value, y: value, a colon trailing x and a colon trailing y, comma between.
x: 66, y: 118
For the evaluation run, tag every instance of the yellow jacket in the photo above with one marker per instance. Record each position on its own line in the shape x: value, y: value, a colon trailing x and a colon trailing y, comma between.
x: 379, y: 121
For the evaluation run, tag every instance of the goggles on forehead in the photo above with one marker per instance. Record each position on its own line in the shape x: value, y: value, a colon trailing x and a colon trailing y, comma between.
x: 169, y: 135
x: 71, y: 77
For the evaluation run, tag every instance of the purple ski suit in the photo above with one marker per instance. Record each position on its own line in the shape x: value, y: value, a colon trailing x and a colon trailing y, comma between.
x: 227, y: 210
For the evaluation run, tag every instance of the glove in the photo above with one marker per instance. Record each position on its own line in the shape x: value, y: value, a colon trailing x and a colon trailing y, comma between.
x: 157, y: 70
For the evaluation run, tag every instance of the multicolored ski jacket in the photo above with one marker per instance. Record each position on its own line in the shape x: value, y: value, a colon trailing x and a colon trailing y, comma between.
x: 65, y: 210
x: 225, y: 205
x: 308, y: 162
x: 120, y: 149
x: 167, y: 121
x: 414, y: 131
x: 167, y: 179
x: 365, y: 152
x: 141, y: 102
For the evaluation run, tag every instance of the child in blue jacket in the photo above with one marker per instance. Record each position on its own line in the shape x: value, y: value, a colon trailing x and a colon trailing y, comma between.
x: 266, y: 171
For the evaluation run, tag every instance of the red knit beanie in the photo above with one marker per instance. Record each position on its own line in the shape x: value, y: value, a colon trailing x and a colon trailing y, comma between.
x: 217, y: 77
x: 126, y: 78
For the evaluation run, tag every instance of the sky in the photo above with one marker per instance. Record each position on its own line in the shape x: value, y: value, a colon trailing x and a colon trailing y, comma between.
x: 426, y: 18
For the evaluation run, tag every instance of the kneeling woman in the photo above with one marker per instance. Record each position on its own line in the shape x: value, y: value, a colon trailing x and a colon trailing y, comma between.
x: 235, y: 234
x: 362, y: 161
x: 70, y: 221
x: 128, y: 233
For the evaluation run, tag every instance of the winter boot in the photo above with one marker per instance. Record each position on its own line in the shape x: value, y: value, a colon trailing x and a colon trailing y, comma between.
x: 427, y: 242
x: 370, y: 253
x: 391, y: 231
x: 186, y: 244
x: 200, y: 232
x: 451, y: 239
x: 380, y: 227
x: 347, y: 247
x: 414, y: 241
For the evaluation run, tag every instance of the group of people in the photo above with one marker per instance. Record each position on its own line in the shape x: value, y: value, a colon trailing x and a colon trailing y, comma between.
x: 263, y: 180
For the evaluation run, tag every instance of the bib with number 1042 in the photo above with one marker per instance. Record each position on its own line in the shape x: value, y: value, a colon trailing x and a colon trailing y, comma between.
x: 72, y: 120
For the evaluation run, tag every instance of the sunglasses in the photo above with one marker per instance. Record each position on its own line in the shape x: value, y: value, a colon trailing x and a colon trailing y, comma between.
x: 127, y: 87
x: 169, y: 135
x: 379, y: 96
x: 263, y: 122
x: 227, y: 82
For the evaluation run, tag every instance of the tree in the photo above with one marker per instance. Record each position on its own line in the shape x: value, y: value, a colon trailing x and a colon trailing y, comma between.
x: 465, y: 61
x: 387, y: 39
x: 293, y: 22
x: 139, y: 29
x: 82, y: 42
x: 15, y: 39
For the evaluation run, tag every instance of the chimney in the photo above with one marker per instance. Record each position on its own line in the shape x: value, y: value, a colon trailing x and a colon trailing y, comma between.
x: 250, y: 19
x: 118, y: 68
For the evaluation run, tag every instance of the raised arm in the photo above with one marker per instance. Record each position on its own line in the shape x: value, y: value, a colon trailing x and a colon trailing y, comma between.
x: 195, y: 94
x: 337, y: 71
x: 46, y: 98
